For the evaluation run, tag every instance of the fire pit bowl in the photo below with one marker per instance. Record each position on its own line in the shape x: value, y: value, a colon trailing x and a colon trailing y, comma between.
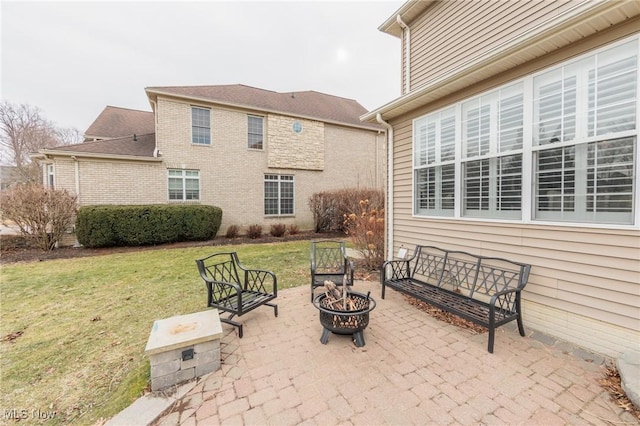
x: 339, y: 321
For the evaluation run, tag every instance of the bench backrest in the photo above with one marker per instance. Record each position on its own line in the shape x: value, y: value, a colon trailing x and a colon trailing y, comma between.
x: 221, y: 267
x: 466, y: 273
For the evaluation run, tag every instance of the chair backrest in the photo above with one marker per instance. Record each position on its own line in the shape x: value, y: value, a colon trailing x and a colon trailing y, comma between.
x: 220, y: 267
x: 328, y: 256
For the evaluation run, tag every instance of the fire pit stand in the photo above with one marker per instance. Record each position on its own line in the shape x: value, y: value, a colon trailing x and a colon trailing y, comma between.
x: 338, y: 321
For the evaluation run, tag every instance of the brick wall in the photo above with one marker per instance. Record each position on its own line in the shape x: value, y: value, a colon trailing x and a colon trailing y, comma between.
x: 321, y: 157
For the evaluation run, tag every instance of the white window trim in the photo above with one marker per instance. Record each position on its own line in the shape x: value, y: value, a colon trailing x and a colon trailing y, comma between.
x: 263, y: 132
x: 527, y: 154
x: 279, y: 181
x: 191, y: 108
x: 184, y: 186
x: 51, y: 175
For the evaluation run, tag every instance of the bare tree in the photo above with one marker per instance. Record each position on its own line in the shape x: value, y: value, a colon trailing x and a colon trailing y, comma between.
x: 24, y: 130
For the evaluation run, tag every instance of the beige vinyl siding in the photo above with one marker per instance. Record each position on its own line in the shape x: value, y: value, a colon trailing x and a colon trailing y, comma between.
x: 455, y: 32
x: 585, y: 281
x: 595, y: 279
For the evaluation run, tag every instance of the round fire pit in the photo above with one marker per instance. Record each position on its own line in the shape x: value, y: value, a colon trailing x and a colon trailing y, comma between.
x: 339, y: 321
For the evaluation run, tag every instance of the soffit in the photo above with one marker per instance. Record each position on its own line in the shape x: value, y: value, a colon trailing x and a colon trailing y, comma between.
x: 583, y: 21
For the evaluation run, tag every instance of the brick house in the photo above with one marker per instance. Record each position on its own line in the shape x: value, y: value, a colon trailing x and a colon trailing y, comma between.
x: 257, y: 154
x: 516, y: 135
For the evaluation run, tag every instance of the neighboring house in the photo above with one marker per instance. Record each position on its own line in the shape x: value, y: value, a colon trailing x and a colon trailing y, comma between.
x: 516, y: 135
x: 257, y: 154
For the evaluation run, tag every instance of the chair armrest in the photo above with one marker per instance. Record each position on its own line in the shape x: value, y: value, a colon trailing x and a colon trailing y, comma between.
x: 219, y: 290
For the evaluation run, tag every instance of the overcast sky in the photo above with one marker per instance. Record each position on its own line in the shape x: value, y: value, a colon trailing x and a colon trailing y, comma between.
x: 71, y: 59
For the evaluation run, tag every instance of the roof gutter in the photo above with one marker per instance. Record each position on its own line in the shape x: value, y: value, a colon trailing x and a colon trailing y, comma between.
x: 407, y: 53
x: 389, y: 202
x: 48, y: 153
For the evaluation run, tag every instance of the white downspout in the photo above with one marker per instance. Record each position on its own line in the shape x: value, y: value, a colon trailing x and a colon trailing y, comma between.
x: 156, y: 151
x: 407, y: 54
x: 389, y: 207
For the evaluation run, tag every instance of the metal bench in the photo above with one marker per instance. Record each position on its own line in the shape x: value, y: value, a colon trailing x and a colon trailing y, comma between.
x: 329, y: 262
x: 235, y: 289
x: 483, y: 290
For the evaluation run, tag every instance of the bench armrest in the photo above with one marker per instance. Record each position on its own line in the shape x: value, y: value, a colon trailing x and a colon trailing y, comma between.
x: 507, y: 300
x: 395, y: 270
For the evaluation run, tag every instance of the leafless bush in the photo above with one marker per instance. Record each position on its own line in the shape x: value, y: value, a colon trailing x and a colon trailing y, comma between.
x: 293, y: 229
x: 365, y: 226
x: 232, y: 231
x: 254, y: 231
x: 329, y: 208
x: 42, y: 214
x: 278, y: 229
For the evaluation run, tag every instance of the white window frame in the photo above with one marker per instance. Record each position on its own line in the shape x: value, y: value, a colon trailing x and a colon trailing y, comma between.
x: 198, y: 138
x: 260, y: 146
x: 530, y: 150
x: 50, y: 175
x: 279, y: 198
x: 184, y: 176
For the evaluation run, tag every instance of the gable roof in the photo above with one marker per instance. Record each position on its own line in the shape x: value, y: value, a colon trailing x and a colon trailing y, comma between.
x: 115, y: 122
x: 126, y: 147
x: 307, y: 104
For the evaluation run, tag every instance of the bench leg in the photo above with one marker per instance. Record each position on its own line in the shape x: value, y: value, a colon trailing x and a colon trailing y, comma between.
x: 520, y: 325
x: 492, y: 335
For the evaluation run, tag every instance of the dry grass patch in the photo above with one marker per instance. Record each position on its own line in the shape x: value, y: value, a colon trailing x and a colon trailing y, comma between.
x: 74, y: 330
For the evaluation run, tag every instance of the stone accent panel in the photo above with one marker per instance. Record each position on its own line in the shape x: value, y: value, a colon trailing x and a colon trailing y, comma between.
x: 295, y: 150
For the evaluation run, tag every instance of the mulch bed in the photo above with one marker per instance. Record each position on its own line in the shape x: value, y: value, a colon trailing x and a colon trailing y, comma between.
x: 14, y: 249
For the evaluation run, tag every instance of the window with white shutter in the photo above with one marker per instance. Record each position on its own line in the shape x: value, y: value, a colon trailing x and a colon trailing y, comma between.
x: 572, y: 129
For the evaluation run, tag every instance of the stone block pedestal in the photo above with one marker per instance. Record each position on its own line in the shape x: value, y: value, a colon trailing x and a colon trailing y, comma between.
x: 184, y: 347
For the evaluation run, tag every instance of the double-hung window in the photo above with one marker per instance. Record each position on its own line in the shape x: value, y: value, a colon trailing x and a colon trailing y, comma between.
x: 434, y: 163
x: 50, y: 176
x: 585, y: 138
x: 558, y: 146
x: 254, y: 131
x: 278, y: 195
x: 184, y: 185
x: 200, y: 126
x: 492, y: 136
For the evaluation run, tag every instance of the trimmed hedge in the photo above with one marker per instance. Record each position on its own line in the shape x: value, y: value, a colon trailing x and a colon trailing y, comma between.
x: 109, y: 226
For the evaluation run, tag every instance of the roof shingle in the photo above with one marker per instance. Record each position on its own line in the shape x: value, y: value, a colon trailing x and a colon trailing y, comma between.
x: 115, y: 122
x: 143, y: 146
x: 309, y: 104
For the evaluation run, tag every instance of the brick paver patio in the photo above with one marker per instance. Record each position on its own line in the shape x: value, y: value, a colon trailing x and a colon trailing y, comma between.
x: 413, y: 370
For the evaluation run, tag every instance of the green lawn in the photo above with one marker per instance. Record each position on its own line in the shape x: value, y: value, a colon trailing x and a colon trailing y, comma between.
x: 85, y: 322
